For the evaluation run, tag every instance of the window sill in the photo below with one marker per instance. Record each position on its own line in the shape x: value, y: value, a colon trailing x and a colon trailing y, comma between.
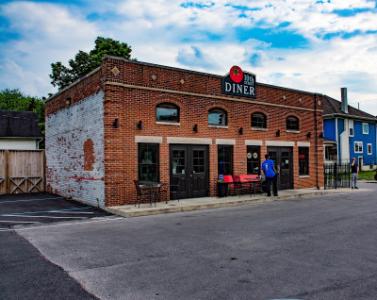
x: 168, y: 123
x: 303, y: 176
x: 218, y: 126
x: 293, y: 131
x: 259, y: 129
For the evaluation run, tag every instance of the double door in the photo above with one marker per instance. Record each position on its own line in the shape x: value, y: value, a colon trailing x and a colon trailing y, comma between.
x: 188, y: 171
x: 283, y: 158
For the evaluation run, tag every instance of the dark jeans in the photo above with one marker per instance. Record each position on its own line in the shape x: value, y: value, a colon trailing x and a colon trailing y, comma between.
x: 274, y: 182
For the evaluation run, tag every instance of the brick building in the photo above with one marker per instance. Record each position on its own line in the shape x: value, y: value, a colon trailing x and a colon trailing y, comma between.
x: 130, y: 120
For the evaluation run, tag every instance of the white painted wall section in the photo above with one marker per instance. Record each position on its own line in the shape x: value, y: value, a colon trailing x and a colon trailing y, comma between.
x: 66, y: 132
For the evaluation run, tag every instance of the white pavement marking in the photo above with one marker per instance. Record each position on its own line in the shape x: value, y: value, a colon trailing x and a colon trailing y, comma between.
x: 66, y: 210
x: 27, y: 222
x: 49, y: 217
x: 30, y: 200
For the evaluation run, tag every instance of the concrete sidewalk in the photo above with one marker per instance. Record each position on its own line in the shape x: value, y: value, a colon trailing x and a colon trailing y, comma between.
x: 185, y: 205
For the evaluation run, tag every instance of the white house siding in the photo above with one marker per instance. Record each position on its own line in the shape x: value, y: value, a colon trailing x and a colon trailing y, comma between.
x: 18, y: 144
x: 66, y: 132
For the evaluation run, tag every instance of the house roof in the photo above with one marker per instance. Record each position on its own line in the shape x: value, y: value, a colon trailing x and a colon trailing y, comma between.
x: 332, y: 107
x: 19, y: 124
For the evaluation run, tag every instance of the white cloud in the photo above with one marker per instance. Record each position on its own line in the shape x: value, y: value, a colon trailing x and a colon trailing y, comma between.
x: 161, y: 31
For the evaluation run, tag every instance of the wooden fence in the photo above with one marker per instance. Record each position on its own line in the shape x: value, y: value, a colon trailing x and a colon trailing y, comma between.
x: 22, y: 171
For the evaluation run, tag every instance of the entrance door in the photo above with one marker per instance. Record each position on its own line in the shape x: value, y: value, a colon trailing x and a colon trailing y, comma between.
x: 283, y: 158
x: 188, y: 171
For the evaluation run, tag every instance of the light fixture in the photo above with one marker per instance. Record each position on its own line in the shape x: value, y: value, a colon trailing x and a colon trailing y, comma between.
x: 195, y: 128
x: 139, y: 125
x: 68, y: 101
x: 240, y: 131
x: 277, y: 133
x: 320, y: 135
x: 116, y: 123
x: 308, y: 135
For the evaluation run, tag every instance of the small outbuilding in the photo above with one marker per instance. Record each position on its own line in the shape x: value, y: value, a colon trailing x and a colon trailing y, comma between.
x: 19, y: 130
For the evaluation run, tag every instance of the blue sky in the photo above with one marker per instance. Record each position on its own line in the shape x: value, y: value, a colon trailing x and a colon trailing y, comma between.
x: 317, y: 45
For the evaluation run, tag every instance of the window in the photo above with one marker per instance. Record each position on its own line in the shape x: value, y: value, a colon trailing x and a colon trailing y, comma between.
x: 351, y: 127
x: 293, y: 123
x: 331, y: 153
x: 365, y: 128
x: 258, y: 120
x: 369, y: 149
x: 217, y: 116
x: 358, y: 147
x: 167, y: 112
x: 303, y: 160
x: 253, y: 160
x: 225, y: 159
x: 148, y: 160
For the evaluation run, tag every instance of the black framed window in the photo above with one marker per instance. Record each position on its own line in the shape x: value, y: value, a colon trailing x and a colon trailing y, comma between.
x: 303, y: 160
x: 253, y: 160
x: 258, y: 120
x: 167, y: 112
x: 217, y: 116
x: 148, y: 162
x: 293, y: 123
x: 225, y: 159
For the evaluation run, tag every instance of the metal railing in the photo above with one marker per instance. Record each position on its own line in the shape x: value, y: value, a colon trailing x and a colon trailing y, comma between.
x: 337, y: 175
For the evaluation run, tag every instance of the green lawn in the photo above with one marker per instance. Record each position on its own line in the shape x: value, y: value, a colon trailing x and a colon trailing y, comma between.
x: 366, y: 175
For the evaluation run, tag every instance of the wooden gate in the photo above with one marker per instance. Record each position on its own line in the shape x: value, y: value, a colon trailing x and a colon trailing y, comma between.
x: 22, y: 171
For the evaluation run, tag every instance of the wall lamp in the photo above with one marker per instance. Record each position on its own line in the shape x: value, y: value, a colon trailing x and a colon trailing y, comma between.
x: 116, y: 123
x: 240, y: 131
x: 277, y: 133
x: 308, y: 135
x: 320, y: 135
x: 139, y: 125
x: 68, y: 101
x: 195, y: 128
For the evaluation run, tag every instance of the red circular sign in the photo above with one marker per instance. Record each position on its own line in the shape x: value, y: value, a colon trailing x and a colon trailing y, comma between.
x: 236, y: 74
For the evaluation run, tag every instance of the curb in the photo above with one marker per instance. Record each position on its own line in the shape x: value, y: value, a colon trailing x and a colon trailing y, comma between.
x: 214, y: 205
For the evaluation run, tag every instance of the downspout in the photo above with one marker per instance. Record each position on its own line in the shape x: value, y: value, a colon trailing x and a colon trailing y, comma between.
x: 316, y: 141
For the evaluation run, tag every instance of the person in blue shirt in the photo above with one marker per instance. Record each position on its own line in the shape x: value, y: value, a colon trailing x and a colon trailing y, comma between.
x: 271, y: 175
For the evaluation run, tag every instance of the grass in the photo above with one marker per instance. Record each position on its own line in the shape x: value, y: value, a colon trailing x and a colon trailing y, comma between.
x: 366, y: 175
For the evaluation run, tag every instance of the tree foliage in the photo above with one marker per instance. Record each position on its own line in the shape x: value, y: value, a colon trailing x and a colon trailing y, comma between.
x: 14, y: 100
x: 84, y: 62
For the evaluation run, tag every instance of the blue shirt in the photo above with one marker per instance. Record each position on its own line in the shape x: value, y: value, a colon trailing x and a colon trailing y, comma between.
x: 268, y: 168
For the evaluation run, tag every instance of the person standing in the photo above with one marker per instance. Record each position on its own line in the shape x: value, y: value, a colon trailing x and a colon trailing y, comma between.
x: 354, y: 172
x: 271, y: 175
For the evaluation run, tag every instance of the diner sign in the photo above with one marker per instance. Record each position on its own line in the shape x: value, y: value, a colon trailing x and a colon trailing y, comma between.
x: 239, y: 83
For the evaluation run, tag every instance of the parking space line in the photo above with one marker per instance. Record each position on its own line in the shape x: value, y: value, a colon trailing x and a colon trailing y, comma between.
x: 63, y: 210
x: 29, y: 200
x: 50, y: 217
x: 27, y: 222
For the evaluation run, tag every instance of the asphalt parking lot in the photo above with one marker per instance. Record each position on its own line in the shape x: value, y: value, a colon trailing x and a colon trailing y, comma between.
x: 41, y: 208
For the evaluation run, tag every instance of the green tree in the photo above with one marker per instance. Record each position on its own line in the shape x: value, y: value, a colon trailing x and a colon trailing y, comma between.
x: 84, y: 62
x: 16, y: 101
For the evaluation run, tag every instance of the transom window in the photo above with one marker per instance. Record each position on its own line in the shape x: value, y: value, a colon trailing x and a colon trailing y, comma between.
x: 293, y: 123
x: 167, y: 112
x: 217, y: 116
x: 258, y: 120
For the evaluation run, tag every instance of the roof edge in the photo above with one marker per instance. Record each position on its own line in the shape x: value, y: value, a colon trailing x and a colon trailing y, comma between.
x: 346, y: 116
x: 200, y: 73
x: 73, y: 83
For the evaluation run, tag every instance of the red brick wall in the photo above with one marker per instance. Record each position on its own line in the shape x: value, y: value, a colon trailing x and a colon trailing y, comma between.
x: 133, y: 94
x: 131, y: 105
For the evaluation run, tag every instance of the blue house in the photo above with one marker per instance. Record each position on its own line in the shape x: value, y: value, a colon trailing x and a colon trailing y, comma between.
x: 348, y: 133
